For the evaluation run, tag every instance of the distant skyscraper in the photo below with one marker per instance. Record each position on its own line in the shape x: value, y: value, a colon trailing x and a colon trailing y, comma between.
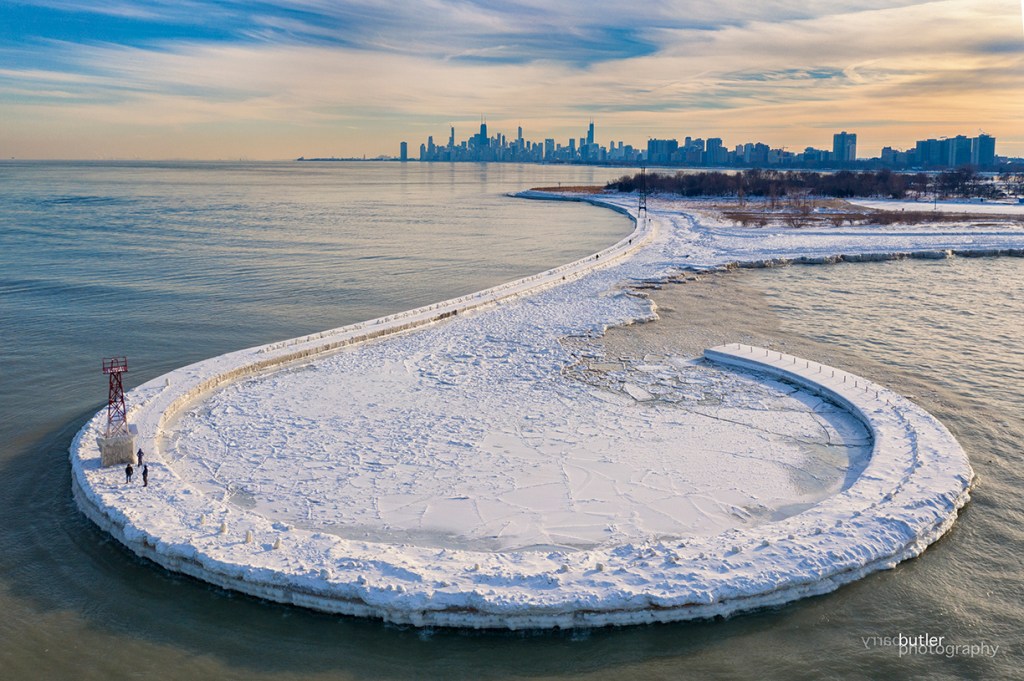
x: 959, y: 151
x: 758, y: 154
x: 844, y: 147
x: 451, y: 139
x: 404, y: 151
x: 929, y: 152
x: 590, y: 134
x: 715, y: 153
x: 952, y: 152
x: 659, y: 152
x: 549, y: 148
x: 482, y: 139
x: 983, y: 150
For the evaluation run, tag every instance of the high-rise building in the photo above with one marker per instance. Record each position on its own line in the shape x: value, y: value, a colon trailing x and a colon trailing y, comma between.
x: 844, y: 147
x: 590, y: 134
x: 756, y: 154
x: 953, y: 152
x: 959, y: 151
x: 983, y: 151
x: 715, y: 152
x: 660, y: 152
x: 549, y: 148
x: 929, y: 152
x: 403, y: 153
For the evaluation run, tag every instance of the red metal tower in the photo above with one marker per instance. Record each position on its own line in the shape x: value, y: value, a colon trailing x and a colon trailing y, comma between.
x: 117, y: 414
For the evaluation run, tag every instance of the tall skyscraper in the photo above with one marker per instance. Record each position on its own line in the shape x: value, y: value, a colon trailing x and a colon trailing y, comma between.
x: 983, y: 150
x: 590, y: 134
x: 844, y: 147
x: 929, y: 152
x: 659, y: 152
x: 715, y: 153
x: 959, y: 151
x: 404, y: 151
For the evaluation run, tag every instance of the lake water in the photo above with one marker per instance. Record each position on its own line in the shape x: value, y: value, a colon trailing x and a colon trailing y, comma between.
x: 172, y: 263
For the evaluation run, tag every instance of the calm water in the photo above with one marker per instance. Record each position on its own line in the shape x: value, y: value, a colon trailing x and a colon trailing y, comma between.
x: 176, y: 262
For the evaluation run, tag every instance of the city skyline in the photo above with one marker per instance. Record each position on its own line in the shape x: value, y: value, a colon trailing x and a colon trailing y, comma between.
x: 948, y: 151
x: 155, y: 79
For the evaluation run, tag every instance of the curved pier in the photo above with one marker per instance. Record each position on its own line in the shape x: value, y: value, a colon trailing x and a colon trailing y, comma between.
x: 908, y: 496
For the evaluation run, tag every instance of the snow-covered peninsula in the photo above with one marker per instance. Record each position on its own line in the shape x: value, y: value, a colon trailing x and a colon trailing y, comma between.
x: 479, y: 463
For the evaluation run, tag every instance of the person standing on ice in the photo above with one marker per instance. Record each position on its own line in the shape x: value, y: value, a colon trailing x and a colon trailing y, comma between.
x: 128, y: 470
x: 145, y: 476
x: 139, y: 456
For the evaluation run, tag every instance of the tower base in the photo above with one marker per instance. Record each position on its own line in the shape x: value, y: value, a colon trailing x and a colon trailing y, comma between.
x: 119, y: 449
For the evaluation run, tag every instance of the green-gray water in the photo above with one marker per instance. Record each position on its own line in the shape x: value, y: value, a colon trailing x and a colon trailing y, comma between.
x: 170, y: 263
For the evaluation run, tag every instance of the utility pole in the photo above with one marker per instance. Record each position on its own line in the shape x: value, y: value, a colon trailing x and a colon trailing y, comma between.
x: 642, y: 201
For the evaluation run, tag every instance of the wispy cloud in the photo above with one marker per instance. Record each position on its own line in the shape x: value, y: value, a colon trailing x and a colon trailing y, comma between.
x: 360, y: 75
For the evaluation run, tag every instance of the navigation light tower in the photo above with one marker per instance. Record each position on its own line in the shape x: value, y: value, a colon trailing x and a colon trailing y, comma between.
x: 117, y: 445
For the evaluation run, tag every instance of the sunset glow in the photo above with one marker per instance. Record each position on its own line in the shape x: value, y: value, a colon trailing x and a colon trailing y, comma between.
x: 158, y: 79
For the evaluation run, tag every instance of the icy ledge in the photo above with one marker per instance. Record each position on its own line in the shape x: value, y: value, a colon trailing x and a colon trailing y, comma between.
x: 908, y: 496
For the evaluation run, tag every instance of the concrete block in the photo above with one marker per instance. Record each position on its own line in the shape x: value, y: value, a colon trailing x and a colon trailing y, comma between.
x: 117, y: 450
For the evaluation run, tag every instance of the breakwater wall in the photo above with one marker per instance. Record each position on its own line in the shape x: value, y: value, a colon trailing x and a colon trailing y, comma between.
x: 908, y: 496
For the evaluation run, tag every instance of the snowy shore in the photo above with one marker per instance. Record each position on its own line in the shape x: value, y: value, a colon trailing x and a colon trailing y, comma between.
x: 904, y: 499
x: 969, y: 207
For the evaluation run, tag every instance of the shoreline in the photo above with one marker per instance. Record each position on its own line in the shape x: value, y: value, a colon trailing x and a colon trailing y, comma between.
x: 357, y: 597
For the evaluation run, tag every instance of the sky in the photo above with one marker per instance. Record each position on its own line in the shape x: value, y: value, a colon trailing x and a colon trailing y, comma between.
x: 278, y: 79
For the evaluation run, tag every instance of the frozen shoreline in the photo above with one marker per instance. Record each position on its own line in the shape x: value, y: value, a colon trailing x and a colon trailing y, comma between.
x: 969, y: 207
x: 179, y: 528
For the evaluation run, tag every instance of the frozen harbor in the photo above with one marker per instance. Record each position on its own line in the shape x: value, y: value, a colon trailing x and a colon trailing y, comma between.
x: 422, y: 440
x: 403, y: 478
